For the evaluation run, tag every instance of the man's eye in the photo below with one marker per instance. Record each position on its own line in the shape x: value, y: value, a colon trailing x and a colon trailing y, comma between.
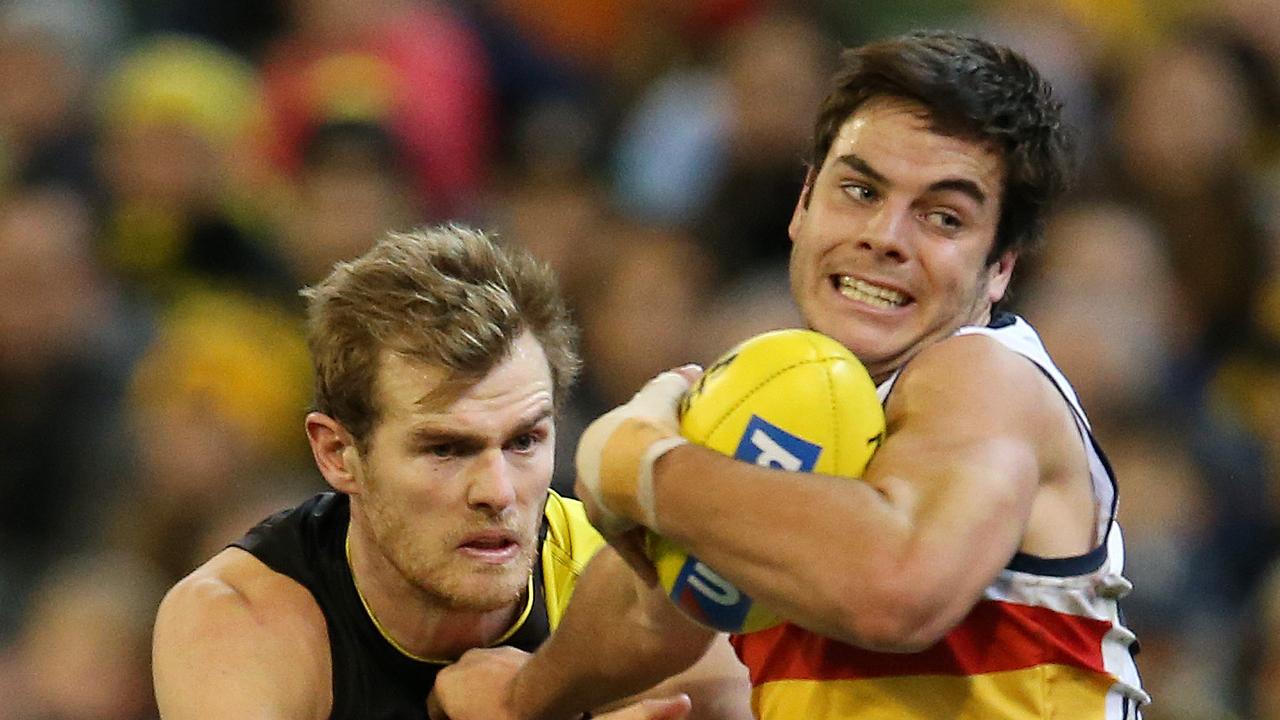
x: 945, y: 220
x: 523, y: 443
x: 858, y: 192
x: 442, y: 450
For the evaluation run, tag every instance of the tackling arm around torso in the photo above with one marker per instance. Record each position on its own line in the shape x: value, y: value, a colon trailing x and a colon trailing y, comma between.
x: 237, y: 640
x: 981, y: 459
x: 617, y: 638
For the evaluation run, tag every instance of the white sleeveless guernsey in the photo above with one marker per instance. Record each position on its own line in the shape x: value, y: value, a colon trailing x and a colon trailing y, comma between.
x: 1046, y: 640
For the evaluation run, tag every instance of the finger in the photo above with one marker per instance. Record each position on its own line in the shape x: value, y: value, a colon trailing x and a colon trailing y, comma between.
x: 690, y: 372
x: 434, y: 709
x: 669, y: 708
x: 669, y: 385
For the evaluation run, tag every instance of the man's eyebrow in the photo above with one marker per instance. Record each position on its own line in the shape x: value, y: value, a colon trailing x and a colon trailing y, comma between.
x: 859, y: 165
x: 445, y: 434
x: 960, y: 185
x: 442, y: 432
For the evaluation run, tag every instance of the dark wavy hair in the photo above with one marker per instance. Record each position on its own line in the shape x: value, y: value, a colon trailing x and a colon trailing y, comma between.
x: 975, y: 90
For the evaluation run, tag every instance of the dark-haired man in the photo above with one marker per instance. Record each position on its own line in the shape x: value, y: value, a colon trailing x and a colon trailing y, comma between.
x: 975, y: 570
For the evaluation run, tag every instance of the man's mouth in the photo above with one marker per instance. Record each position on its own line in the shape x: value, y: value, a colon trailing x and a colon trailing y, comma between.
x: 491, y: 545
x: 865, y: 292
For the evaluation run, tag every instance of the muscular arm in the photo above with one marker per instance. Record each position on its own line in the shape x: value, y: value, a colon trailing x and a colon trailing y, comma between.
x: 893, y: 562
x: 235, y: 640
x: 617, y: 638
x: 620, y: 637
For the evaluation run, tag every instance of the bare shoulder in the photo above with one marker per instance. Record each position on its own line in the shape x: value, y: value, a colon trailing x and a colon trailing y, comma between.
x: 236, y: 639
x: 970, y: 375
x: 970, y: 400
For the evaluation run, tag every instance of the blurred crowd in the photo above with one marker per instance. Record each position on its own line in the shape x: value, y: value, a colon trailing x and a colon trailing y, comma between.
x: 173, y: 171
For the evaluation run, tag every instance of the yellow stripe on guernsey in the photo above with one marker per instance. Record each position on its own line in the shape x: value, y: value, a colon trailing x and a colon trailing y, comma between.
x: 1013, y: 695
x: 570, y: 543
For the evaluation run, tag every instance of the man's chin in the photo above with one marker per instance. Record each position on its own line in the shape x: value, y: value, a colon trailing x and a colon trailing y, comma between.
x: 486, y: 599
x: 487, y: 588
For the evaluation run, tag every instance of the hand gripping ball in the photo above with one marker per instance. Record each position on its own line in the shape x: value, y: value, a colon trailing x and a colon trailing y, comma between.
x: 790, y: 399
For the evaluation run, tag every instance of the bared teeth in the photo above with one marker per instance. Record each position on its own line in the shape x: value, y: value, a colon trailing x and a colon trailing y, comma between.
x: 863, y: 291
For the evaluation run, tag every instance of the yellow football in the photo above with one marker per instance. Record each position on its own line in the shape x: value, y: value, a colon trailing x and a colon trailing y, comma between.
x: 788, y: 399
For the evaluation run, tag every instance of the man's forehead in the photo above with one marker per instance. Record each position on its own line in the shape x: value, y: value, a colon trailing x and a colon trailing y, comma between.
x: 419, y: 387
x: 864, y: 132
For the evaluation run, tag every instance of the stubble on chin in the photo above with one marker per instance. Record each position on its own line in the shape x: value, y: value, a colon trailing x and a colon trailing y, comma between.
x: 467, y: 587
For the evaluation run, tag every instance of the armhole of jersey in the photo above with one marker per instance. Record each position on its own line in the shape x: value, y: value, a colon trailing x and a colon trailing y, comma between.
x: 571, y: 541
x: 1097, y: 556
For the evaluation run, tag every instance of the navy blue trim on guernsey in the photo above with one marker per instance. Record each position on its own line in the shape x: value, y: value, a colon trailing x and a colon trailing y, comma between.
x: 1059, y: 567
x: 1076, y: 564
x: 1002, y: 319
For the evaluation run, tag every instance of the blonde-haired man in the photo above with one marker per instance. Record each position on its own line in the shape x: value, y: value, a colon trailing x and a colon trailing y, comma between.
x: 440, y: 359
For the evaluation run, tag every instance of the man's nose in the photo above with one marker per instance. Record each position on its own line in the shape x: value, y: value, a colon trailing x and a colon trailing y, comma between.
x: 489, y: 483
x: 884, y: 232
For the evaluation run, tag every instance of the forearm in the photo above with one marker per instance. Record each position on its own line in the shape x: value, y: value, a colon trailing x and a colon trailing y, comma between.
x: 889, y: 562
x: 618, y: 638
x: 803, y: 545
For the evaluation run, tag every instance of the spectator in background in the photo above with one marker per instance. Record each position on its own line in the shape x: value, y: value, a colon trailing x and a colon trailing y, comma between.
x: 1105, y: 254
x: 213, y: 407
x: 1195, y: 178
x: 643, y: 309
x: 708, y: 148
x: 1241, y: 411
x: 546, y: 194
x: 1178, y: 606
x: 176, y: 120
x: 412, y: 68
x: 351, y: 185
x: 640, y: 314
x: 50, y: 53
x: 84, y: 649
x: 65, y: 351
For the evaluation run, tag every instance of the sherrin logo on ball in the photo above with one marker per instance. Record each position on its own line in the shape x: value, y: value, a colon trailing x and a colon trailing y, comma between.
x: 793, y: 400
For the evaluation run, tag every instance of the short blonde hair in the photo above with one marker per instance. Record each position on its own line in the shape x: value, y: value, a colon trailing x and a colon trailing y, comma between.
x: 447, y: 296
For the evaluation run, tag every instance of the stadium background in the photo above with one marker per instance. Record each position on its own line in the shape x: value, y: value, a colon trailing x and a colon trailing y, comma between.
x: 172, y: 170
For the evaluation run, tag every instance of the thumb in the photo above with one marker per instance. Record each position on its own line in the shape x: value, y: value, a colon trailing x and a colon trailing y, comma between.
x: 667, y: 387
x: 434, y: 710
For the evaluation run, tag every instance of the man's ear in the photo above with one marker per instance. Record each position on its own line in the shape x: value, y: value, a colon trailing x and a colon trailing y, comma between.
x: 999, y: 273
x: 802, y: 205
x: 335, y: 453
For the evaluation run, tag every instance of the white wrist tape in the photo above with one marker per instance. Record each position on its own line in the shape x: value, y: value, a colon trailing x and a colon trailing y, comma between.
x: 644, y: 482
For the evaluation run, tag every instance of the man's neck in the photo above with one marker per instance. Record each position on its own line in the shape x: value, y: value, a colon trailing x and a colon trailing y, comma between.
x: 418, y: 623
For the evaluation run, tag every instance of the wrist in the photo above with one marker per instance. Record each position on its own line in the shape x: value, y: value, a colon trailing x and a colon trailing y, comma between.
x: 541, y: 691
x: 626, y: 468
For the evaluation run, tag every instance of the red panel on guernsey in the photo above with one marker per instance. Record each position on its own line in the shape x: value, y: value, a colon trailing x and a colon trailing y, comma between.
x: 996, y: 636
